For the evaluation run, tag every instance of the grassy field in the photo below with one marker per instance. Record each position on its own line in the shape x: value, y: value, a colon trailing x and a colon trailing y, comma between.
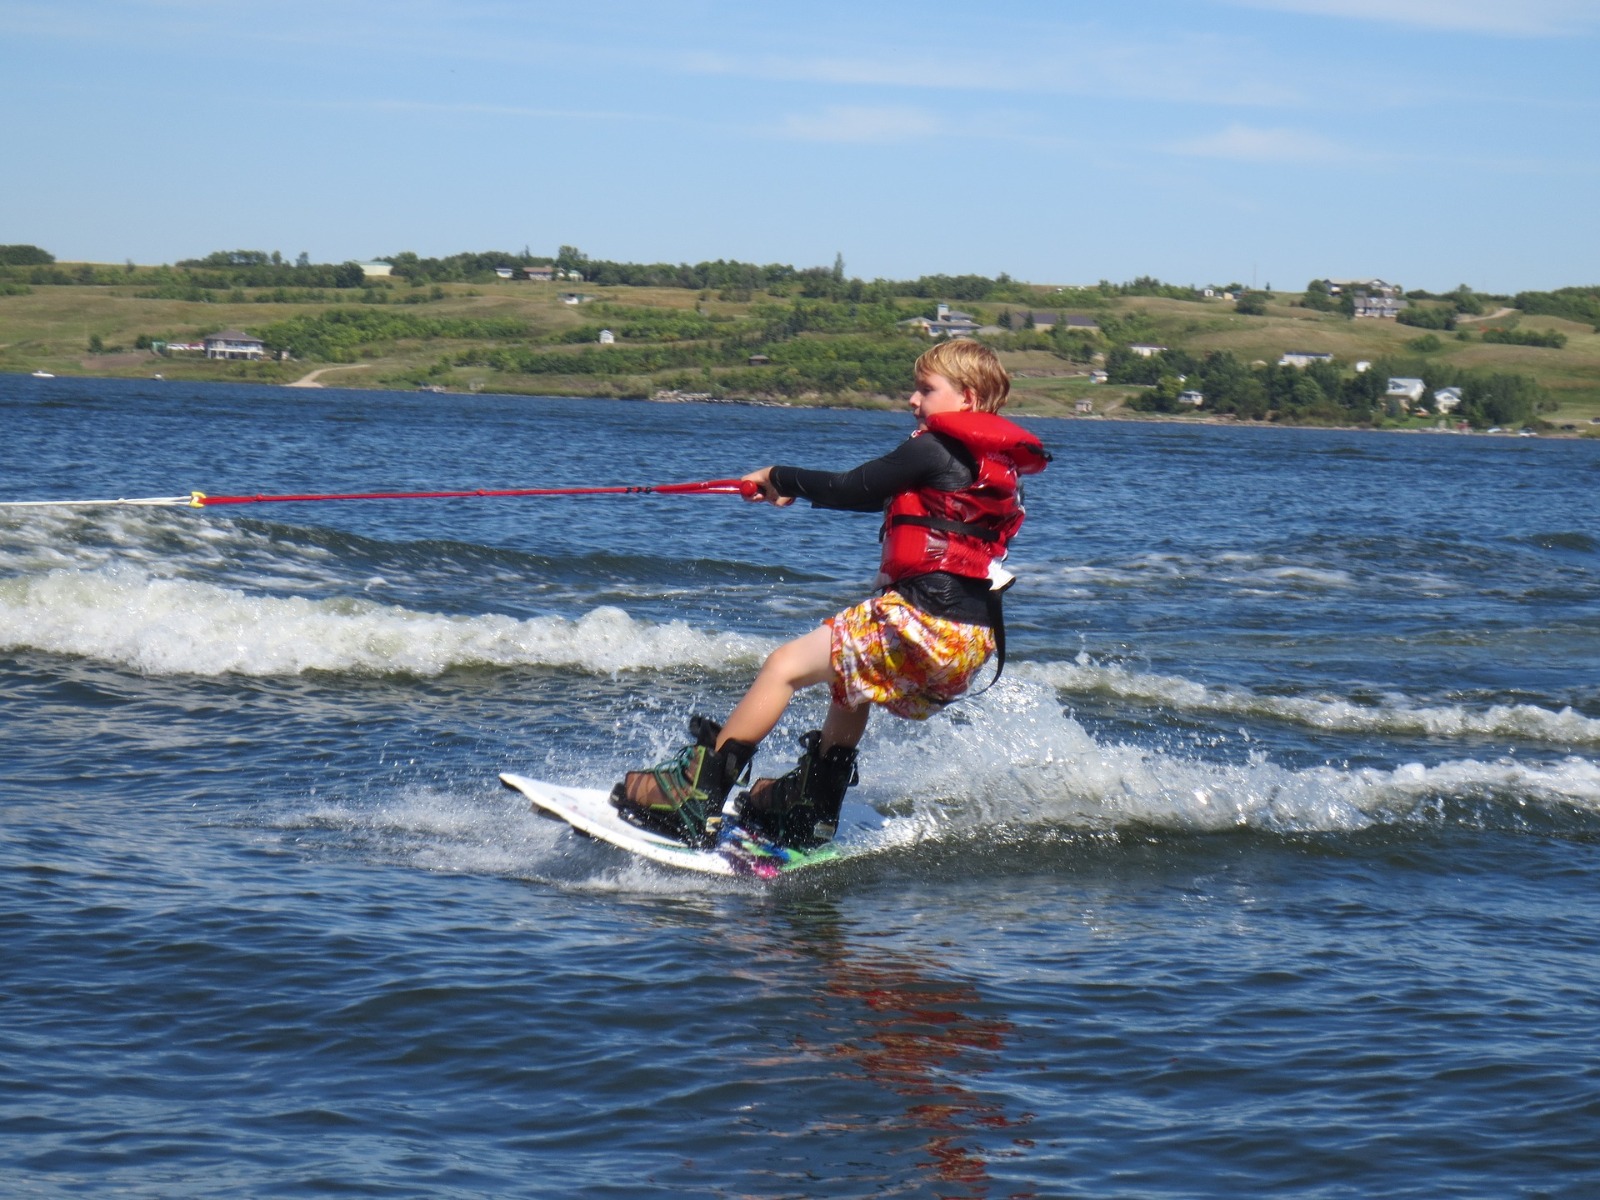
x: 52, y: 326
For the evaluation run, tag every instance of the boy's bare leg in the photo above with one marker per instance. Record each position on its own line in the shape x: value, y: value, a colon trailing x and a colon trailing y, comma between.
x: 792, y: 666
x: 844, y: 726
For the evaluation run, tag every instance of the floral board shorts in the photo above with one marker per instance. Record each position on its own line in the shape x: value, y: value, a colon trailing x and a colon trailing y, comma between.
x: 887, y: 652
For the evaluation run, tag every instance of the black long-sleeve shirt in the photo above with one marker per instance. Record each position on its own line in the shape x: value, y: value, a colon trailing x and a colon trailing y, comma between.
x: 932, y: 461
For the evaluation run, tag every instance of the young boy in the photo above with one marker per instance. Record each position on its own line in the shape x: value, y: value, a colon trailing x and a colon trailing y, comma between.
x: 952, y: 504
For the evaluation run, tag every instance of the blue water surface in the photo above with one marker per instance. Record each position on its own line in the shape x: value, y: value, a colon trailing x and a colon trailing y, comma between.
x: 1266, y: 869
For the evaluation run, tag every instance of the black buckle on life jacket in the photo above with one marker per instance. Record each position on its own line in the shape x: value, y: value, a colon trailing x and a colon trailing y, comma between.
x: 944, y: 525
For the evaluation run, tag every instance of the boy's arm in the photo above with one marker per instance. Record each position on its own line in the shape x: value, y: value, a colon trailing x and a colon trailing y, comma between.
x: 925, y: 461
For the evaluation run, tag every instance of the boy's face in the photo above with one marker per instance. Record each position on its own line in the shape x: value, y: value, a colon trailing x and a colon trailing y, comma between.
x: 936, y: 394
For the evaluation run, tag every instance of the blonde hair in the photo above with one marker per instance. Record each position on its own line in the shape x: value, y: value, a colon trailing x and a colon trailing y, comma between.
x: 968, y: 364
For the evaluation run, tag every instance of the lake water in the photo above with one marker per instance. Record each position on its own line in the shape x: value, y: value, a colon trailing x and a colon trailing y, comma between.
x: 1268, y: 869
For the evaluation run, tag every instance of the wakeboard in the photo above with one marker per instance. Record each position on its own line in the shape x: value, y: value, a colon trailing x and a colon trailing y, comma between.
x: 737, y: 852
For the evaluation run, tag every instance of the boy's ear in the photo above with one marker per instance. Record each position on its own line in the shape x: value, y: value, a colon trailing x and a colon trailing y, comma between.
x: 970, y: 395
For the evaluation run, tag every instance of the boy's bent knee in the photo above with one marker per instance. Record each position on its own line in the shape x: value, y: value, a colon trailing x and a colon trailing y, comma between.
x: 802, y: 662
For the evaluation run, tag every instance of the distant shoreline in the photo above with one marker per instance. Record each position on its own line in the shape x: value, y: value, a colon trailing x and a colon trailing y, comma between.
x: 312, y: 379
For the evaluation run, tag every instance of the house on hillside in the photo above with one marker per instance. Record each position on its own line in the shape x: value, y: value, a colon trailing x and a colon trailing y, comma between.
x: 376, y: 270
x: 505, y: 272
x: 1303, y: 358
x: 230, y: 343
x: 1447, y: 399
x: 607, y: 338
x: 1404, y: 391
x: 1371, y: 287
x: 1379, y: 307
x: 1145, y: 350
x: 947, y: 323
x: 1192, y: 398
x: 540, y: 274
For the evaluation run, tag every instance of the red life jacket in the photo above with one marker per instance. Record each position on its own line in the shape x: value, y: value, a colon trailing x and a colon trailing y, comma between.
x: 965, y: 531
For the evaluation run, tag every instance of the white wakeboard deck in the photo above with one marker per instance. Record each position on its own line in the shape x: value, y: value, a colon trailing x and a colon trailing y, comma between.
x: 589, y: 811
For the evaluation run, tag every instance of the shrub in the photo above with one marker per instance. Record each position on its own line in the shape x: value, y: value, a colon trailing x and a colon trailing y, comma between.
x: 1550, y: 339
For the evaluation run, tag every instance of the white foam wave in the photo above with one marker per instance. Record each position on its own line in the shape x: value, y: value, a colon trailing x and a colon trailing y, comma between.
x: 1015, y: 759
x: 1393, y: 714
x: 169, y: 627
x: 1012, y: 770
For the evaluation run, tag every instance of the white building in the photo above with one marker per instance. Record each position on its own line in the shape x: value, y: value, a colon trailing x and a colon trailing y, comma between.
x: 230, y: 343
x: 1145, y: 350
x: 1375, y: 287
x: 1447, y: 399
x: 1303, y: 358
x: 607, y: 338
x: 947, y: 323
x: 1405, y: 389
x: 1379, y: 307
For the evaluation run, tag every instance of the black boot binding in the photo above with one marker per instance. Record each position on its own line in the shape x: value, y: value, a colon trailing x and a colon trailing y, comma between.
x: 683, y: 797
x: 801, y: 809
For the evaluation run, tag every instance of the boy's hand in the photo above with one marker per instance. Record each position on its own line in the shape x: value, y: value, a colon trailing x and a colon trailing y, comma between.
x: 765, y: 493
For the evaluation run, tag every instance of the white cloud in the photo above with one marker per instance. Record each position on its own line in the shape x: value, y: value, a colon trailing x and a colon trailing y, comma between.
x: 1081, y: 66
x: 1244, y: 143
x: 852, y: 123
x: 1527, y: 18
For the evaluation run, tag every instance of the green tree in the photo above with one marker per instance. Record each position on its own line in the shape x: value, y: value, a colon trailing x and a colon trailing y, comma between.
x: 1500, y: 399
x: 1318, y: 296
x: 1430, y: 316
x: 1466, y: 301
x: 25, y: 256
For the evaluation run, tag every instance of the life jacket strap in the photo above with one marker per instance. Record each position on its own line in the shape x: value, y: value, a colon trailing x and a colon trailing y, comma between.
x: 966, y: 528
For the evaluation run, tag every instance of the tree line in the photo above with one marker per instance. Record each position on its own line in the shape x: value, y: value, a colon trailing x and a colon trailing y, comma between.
x: 1320, y: 392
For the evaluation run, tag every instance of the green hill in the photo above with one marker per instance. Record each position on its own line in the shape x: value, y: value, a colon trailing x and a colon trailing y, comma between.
x: 770, y: 334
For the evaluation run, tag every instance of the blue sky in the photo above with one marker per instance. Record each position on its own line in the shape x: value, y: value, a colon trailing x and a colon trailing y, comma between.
x: 1430, y: 142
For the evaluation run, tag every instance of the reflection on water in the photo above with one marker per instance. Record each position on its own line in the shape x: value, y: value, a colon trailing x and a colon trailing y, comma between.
x: 898, y: 1020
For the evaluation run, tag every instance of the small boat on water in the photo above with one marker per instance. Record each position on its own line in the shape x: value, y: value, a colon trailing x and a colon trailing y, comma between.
x: 43, y: 375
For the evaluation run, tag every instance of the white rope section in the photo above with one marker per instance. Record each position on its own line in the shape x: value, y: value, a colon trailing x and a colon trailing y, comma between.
x: 148, y: 501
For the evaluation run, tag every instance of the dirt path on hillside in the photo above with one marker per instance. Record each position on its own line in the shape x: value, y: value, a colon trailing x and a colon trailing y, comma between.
x: 1494, y: 316
x: 311, y: 379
